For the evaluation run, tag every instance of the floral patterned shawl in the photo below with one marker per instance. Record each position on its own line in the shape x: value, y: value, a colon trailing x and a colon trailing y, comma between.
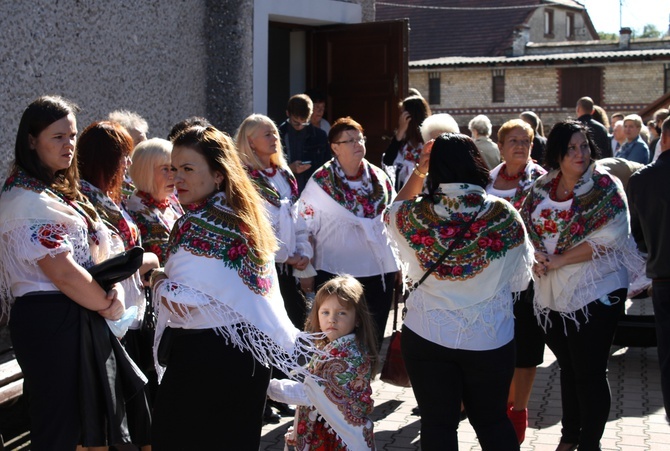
x: 111, y: 213
x: 369, y: 201
x: 220, y: 283
x: 154, y: 221
x: 268, y: 190
x: 599, y: 216
x: 493, y: 258
x: 338, y: 418
x: 36, y: 221
x: 531, y: 172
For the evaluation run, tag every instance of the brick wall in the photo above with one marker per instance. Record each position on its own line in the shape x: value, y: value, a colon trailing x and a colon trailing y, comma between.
x: 467, y: 92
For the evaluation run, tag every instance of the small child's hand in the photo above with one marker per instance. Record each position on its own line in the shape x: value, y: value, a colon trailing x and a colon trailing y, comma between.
x: 289, y: 437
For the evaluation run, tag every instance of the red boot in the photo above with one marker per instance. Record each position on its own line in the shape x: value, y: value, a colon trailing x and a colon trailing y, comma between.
x: 519, y: 419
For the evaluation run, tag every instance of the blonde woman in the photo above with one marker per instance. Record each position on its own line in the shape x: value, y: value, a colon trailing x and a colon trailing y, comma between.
x: 261, y: 152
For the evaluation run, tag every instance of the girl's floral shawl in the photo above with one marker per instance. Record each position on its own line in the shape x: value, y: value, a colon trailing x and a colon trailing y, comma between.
x: 490, y: 236
x: 341, y: 394
x: 112, y: 214
x: 597, y: 201
x: 215, y: 276
x: 268, y: 190
x: 152, y: 221
x: 369, y: 201
x: 531, y: 173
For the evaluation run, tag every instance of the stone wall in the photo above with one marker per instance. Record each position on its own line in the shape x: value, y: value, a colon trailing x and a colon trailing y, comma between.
x: 164, y: 59
x: 467, y: 92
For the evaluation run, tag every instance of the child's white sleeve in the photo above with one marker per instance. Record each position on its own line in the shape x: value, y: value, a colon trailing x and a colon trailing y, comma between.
x: 288, y: 392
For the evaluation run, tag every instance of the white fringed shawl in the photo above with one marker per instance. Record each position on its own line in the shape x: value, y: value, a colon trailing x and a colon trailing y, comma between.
x: 215, y: 281
x: 36, y: 222
x: 598, y: 216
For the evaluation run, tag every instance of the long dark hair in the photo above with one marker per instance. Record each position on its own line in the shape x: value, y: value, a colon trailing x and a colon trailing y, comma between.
x: 40, y: 114
x: 559, y: 138
x: 418, y: 110
x: 455, y: 159
x: 102, y: 148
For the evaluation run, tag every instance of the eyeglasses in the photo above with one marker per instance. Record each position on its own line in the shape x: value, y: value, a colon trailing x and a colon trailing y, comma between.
x: 353, y: 141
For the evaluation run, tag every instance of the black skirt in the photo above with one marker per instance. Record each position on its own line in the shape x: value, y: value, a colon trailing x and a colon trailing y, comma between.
x: 77, y: 375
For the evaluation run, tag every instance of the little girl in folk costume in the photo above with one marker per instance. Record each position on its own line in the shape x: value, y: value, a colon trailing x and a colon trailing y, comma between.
x: 334, y: 404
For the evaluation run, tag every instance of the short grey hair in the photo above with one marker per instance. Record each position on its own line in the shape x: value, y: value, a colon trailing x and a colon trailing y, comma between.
x: 438, y: 124
x: 129, y: 120
x: 481, y: 124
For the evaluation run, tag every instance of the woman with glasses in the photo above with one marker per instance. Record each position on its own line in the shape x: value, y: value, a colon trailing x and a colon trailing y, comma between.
x: 577, y: 218
x: 342, y: 205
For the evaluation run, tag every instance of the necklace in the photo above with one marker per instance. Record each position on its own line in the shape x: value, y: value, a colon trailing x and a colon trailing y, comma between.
x: 271, y: 171
x: 510, y: 178
x: 554, y: 188
x: 358, y: 175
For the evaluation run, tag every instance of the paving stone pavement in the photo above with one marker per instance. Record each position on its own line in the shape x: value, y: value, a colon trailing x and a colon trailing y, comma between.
x: 636, y: 422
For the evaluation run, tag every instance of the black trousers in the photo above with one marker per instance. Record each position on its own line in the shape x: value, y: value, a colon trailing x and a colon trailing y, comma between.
x: 294, y: 302
x: 661, y: 300
x: 582, y: 354
x: 211, y: 397
x: 442, y: 377
x: 45, y: 332
x: 378, y: 295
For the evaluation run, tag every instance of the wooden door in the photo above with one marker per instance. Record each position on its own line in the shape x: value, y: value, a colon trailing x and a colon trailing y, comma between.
x: 362, y: 69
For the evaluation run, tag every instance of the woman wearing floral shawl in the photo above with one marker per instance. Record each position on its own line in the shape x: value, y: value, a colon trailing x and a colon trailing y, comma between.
x: 342, y: 205
x: 153, y: 205
x: 220, y: 304
x: 458, y: 335
x: 512, y: 181
x: 577, y: 219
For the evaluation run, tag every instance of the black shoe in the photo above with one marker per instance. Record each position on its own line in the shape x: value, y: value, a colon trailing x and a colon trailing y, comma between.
x: 283, y: 409
x: 269, y: 415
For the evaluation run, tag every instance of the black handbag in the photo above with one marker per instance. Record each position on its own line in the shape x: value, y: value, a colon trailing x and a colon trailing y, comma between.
x: 117, y: 268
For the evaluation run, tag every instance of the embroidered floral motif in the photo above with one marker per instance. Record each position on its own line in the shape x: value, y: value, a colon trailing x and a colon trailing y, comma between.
x: 112, y: 214
x: 411, y: 153
x: 598, y: 200
x: 154, y: 221
x: 19, y: 179
x: 525, y: 184
x: 429, y: 234
x: 345, y: 378
x: 268, y: 190
x: 369, y: 201
x: 214, y: 231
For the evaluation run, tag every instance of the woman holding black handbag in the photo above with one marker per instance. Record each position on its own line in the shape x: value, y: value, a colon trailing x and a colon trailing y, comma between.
x: 465, y: 253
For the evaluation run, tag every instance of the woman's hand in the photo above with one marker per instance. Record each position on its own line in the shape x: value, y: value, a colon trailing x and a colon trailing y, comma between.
x: 116, y: 307
x: 297, y: 167
x: 301, y: 263
x: 307, y: 284
x: 424, y: 157
x: 546, y: 263
x: 403, y: 125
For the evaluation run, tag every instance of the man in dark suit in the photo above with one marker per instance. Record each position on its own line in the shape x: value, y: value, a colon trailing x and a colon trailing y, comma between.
x: 584, y: 109
x: 648, y: 194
